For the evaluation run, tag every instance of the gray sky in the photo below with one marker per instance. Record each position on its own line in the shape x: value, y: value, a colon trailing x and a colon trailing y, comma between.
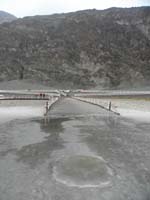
x: 21, y: 8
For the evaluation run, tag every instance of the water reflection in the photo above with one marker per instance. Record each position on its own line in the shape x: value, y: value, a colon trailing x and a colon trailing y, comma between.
x: 50, y: 125
x: 37, y: 153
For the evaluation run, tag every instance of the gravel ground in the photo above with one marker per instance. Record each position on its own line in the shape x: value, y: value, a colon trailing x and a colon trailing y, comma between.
x: 22, y: 85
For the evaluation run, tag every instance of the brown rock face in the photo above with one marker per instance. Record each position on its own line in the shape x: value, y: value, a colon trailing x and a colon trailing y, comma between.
x: 109, y: 48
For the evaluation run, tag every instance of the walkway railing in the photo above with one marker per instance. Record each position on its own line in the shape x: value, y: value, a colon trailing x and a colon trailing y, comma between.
x: 24, y: 98
x: 51, y: 101
x: 95, y: 101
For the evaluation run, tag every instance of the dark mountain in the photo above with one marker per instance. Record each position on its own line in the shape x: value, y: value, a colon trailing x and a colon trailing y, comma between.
x: 6, y: 17
x: 108, y: 48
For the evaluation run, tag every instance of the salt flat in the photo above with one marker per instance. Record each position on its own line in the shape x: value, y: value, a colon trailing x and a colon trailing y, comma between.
x: 90, y: 156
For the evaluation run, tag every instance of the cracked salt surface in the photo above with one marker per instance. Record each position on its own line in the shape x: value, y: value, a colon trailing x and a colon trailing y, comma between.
x: 83, y: 172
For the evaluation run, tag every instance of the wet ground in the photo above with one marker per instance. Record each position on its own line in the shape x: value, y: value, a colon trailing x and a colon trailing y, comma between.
x: 89, y: 155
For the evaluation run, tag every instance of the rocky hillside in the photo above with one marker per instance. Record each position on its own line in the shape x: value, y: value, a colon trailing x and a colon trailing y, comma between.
x: 91, y: 48
x: 6, y: 17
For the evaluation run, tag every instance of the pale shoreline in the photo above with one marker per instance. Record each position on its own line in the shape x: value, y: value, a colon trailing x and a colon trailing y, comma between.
x: 21, y: 109
x: 128, y: 108
x: 138, y: 109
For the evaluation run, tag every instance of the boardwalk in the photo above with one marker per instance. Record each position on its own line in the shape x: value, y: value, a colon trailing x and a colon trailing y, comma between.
x: 68, y: 107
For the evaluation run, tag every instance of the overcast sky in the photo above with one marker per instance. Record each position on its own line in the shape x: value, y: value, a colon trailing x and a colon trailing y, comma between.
x: 21, y: 8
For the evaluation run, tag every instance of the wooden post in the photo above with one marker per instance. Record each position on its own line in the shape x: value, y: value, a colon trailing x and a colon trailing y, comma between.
x: 46, y: 107
x: 110, y: 105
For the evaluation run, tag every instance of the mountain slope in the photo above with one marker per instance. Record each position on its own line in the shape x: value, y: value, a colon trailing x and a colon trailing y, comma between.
x: 109, y: 48
x: 6, y: 17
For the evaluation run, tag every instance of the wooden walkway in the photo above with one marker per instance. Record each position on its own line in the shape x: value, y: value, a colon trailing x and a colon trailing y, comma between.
x: 69, y: 107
